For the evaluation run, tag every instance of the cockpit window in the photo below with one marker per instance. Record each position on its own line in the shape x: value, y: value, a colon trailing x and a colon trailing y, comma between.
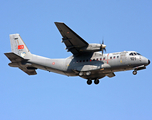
x: 133, y: 54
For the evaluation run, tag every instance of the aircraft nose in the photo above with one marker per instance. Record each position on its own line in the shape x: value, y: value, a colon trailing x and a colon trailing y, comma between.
x: 148, y: 62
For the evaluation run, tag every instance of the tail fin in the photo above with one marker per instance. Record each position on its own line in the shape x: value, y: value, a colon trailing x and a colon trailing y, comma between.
x: 18, y: 46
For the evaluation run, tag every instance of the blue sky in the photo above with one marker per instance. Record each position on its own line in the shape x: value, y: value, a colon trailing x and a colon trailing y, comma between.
x: 124, y: 25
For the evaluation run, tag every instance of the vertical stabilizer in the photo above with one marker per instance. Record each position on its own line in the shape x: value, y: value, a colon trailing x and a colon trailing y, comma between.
x: 18, y: 46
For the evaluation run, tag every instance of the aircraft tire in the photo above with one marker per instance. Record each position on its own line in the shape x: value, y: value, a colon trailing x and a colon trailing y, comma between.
x: 134, y: 72
x: 96, y: 81
x: 89, y: 82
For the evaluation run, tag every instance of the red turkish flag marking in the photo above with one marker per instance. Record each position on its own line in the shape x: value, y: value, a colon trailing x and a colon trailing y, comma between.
x: 20, y: 46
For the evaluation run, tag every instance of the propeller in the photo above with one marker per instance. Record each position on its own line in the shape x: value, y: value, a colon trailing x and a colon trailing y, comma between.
x: 103, y: 47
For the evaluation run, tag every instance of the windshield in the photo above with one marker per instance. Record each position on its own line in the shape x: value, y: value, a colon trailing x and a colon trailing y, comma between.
x: 134, y: 53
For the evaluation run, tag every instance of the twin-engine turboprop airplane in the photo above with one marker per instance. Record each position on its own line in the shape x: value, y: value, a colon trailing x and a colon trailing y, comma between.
x: 86, y: 61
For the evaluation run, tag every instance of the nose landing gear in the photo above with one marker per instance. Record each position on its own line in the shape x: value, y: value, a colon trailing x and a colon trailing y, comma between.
x: 134, y: 72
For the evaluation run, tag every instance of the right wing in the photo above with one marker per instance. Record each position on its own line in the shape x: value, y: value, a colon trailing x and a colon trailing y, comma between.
x: 72, y: 41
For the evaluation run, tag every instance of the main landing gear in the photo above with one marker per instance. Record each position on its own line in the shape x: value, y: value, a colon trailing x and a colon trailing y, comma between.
x: 134, y: 72
x: 89, y: 82
x: 96, y: 81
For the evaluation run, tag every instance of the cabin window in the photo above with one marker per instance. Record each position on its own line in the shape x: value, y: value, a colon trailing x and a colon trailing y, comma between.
x: 97, y: 59
x: 113, y: 57
x: 93, y: 59
x: 117, y: 56
x: 110, y: 57
x: 87, y: 60
x: 80, y: 60
x: 104, y: 58
x: 100, y: 58
x: 83, y: 60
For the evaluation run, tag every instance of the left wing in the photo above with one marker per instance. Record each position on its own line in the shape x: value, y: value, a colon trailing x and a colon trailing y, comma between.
x: 74, y: 43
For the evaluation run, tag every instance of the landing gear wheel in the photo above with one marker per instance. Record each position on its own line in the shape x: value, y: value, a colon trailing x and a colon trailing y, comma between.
x: 96, y: 81
x: 134, y: 72
x: 89, y: 82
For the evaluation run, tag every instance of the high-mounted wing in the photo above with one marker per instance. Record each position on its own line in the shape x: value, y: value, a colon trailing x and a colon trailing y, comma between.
x: 72, y: 41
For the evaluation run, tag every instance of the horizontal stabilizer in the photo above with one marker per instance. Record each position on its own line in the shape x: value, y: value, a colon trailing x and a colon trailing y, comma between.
x: 27, y: 71
x: 13, y: 57
x: 16, y: 62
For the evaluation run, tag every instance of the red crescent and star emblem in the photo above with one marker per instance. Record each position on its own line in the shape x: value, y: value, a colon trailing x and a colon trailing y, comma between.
x: 20, y: 46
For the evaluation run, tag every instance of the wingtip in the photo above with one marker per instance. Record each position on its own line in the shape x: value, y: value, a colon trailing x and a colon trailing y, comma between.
x: 59, y: 22
x: 14, y: 34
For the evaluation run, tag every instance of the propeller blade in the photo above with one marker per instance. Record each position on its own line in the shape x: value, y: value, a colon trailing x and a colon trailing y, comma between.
x: 105, y: 50
x: 102, y: 41
x: 102, y: 52
x: 103, y: 46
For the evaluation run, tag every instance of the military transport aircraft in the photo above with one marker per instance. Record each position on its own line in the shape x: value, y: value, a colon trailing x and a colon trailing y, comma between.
x: 86, y: 61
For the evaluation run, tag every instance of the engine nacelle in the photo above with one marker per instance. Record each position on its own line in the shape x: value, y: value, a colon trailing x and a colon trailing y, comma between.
x: 94, y: 47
